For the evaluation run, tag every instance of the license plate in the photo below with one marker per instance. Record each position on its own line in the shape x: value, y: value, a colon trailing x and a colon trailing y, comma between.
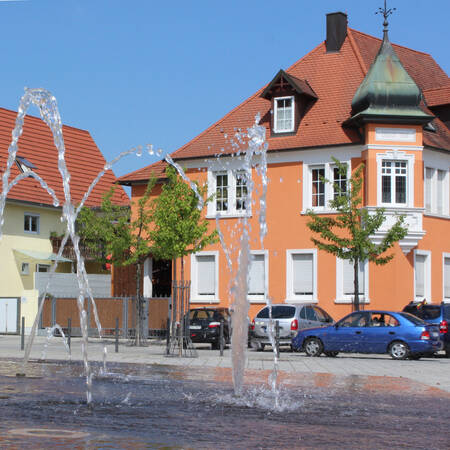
x: 195, y: 327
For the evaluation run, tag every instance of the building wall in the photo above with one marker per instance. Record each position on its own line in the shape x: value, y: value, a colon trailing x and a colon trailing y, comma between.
x: 12, y: 282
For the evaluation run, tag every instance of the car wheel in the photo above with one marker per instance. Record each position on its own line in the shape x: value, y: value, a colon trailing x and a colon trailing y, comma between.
x: 313, y: 346
x: 399, y: 350
x: 331, y: 354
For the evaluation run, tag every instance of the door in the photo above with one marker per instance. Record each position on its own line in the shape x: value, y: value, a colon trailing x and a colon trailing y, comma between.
x: 9, y: 315
x: 380, y: 332
x: 347, y: 334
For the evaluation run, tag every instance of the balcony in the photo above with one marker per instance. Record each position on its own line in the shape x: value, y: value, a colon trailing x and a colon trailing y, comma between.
x: 69, y: 252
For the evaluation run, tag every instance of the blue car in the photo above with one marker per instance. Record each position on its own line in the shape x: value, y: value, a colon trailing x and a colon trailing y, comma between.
x: 400, y: 334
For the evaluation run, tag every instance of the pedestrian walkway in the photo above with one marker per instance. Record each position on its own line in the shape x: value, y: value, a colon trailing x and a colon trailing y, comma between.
x: 433, y: 372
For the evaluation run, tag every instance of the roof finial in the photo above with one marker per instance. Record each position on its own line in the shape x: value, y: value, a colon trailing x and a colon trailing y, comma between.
x: 386, y: 13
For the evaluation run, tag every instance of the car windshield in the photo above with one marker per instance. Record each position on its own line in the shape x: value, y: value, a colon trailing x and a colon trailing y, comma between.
x: 322, y: 315
x: 278, y: 312
x: 415, y: 320
x: 199, y: 314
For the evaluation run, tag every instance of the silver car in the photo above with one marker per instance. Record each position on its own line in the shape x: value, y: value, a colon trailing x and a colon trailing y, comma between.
x: 290, y: 318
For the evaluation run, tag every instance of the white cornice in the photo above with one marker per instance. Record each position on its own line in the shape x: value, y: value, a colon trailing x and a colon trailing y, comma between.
x: 415, y: 148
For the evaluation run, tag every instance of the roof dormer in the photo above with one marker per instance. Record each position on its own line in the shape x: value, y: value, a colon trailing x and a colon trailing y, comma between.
x: 289, y: 96
x: 24, y: 165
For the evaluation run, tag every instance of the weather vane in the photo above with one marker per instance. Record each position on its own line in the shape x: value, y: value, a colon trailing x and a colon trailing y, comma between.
x: 386, y: 13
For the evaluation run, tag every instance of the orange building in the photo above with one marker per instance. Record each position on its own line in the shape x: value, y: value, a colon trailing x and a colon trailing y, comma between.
x: 360, y: 100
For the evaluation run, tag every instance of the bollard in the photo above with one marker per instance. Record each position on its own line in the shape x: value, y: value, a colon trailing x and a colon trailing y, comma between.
x: 22, y: 334
x: 117, y: 335
x: 221, y: 337
x: 277, y: 338
x: 69, y: 332
x: 168, y: 337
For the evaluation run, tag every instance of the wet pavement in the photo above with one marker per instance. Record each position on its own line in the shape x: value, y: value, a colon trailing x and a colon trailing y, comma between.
x: 148, y: 400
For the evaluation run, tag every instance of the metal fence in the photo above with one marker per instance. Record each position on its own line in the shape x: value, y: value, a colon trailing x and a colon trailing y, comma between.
x: 58, y: 310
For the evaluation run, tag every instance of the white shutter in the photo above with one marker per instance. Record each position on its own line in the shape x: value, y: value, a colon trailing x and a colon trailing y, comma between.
x: 440, y: 191
x: 420, y: 275
x: 302, y: 273
x: 257, y: 272
x: 447, y: 277
x: 206, y: 274
x: 348, y: 274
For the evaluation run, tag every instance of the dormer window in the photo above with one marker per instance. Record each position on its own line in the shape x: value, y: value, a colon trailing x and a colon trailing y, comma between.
x: 284, y: 114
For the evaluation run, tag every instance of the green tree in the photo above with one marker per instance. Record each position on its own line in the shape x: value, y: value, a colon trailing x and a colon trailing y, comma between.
x: 123, y: 239
x: 178, y: 228
x: 348, y: 234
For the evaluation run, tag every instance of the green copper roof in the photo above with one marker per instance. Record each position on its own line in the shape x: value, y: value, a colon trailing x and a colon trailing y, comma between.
x: 388, y: 93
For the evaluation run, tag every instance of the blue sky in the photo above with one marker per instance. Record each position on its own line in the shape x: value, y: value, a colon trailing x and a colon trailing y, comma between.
x: 143, y: 71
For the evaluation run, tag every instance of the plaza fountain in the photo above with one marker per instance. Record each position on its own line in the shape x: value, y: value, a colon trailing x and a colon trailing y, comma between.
x: 156, y: 406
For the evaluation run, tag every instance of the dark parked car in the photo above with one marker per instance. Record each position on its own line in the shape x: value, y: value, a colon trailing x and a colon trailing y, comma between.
x: 436, y: 314
x: 205, y: 325
x: 402, y: 335
x: 290, y: 318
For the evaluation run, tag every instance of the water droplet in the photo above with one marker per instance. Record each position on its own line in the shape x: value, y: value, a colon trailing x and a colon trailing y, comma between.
x: 150, y: 149
x: 159, y: 152
x: 281, y: 179
x: 139, y: 151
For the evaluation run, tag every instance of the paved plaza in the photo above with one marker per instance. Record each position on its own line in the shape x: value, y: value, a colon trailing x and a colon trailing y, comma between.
x: 433, y: 372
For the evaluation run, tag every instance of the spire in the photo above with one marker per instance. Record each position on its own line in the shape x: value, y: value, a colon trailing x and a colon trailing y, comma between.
x: 388, y: 93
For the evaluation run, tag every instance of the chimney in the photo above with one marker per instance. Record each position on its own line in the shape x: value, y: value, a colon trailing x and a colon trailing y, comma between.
x: 336, y: 31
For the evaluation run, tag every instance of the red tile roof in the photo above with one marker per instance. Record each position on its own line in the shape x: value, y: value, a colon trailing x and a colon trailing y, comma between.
x: 438, y: 96
x: 334, y: 77
x: 157, y: 170
x: 83, y: 158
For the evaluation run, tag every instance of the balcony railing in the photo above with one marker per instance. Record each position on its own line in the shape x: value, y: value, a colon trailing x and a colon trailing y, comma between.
x: 69, y: 252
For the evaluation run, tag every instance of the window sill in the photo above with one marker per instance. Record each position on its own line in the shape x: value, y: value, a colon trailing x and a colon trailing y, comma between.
x: 300, y: 300
x: 256, y: 299
x: 319, y: 211
x: 233, y: 215
x: 435, y: 215
x: 204, y: 300
x: 349, y: 301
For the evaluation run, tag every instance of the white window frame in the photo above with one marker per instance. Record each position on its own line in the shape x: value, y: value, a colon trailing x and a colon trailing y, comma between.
x: 290, y: 296
x: 195, y: 297
x: 231, y: 172
x: 329, y: 186
x: 345, y: 298
x: 444, y: 257
x: 434, y: 189
x: 47, y: 266
x: 38, y: 220
x: 396, y: 156
x: 427, y: 275
x: 275, y: 114
x: 255, y: 298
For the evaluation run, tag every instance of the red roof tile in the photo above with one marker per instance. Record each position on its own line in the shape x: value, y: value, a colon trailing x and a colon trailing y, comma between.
x: 83, y: 158
x: 334, y: 77
x: 157, y: 170
x: 438, y: 96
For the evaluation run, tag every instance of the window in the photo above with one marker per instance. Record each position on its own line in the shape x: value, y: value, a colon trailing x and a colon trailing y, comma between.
x: 257, y: 287
x: 446, y: 264
x: 204, y: 276
x: 345, y: 276
x: 393, y: 182
x: 339, y: 182
x: 42, y: 268
x: 318, y: 192
x: 436, y: 191
x: 318, y: 187
x: 301, y: 282
x: 231, y: 192
x: 25, y: 270
x: 31, y: 223
x: 221, y: 192
x: 422, y: 275
x: 284, y: 114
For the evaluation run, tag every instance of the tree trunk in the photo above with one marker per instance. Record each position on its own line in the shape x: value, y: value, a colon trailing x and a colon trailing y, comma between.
x: 356, y: 284
x: 139, y: 305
